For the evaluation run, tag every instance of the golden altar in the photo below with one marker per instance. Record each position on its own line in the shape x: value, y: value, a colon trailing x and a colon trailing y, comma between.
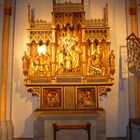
x: 68, y: 62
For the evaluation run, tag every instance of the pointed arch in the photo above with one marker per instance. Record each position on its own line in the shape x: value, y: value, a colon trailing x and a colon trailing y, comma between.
x: 88, y: 37
x: 96, y: 41
x: 78, y: 26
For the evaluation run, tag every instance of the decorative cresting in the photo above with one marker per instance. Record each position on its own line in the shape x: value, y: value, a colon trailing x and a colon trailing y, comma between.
x: 133, y: 47
x: 68, y: 58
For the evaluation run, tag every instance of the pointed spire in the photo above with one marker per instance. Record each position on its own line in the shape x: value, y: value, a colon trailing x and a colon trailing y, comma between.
x: 82, y: 3
x: 29, y: 14
x: 54, y: 2
x: 32, y: 15
x: 106, y: 14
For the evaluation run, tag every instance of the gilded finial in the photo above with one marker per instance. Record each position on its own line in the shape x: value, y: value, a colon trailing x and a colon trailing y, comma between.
x: 54, y: 2
x: 82, y: 2
x: 106, y: 14
x: 29, y: 14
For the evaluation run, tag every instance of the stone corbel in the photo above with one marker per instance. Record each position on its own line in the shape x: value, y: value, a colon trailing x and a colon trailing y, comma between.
x: 104, y: 91
x: 35, y: 91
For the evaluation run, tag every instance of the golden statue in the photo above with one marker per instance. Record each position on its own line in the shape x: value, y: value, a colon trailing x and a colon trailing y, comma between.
x: 60, y: 61
x: 25, y: 60
x: 68, y: 53
x: 112, y: 62
x: 40, y: 65
x: 76, y: 58
x: 68, y: 65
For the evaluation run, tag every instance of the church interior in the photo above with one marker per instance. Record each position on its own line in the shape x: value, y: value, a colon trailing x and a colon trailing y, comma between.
x: 69, y: 69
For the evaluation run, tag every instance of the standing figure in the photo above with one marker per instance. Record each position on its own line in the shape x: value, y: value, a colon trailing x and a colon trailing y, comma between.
x: 112, y: 62
x: 25, y: 60
x: 60, y: 60
x: 76, y: 59
x: 68, y: 63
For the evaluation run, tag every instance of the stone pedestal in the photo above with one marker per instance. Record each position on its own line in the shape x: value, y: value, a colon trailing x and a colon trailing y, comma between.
x: 44, y: 120
x: 134, y: 127
x: 6, y: 130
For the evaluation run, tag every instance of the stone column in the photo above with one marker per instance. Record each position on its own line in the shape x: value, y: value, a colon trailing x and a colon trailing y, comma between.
x: 134, y: 29
x: 4, y: 124
x: 133, y: 14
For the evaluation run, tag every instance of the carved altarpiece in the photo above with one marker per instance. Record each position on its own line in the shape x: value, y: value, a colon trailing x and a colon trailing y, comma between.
x: 69, y: 62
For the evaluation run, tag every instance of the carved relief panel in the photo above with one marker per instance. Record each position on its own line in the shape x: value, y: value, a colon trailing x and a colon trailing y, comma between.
x: 39, y: 62
x: 86, y: 98
x: 97, y: 58
x: 68, y: 52
x: 52, y: 98
x: 68, y: 37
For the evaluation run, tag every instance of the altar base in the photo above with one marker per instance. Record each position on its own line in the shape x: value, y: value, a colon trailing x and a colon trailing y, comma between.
x: 44, y: 121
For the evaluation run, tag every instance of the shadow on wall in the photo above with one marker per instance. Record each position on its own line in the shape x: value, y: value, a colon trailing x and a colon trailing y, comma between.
x: 24, y: 97
x: 19, y: 80
x: 123, y: 93
x: 28, y: 128
x: 123, y: 71
x: 19, y: 85
x: 28, y: 124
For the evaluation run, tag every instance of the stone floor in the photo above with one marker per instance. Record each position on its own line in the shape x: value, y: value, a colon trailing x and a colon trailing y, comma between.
x: 107, y: 139
x: 117, y: 139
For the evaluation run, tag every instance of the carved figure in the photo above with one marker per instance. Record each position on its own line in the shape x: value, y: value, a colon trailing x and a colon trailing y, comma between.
x: 112, y: 62
x: 85, y: 99
x: 76, y: 58
x: 97, y: 65
x: 40, y: 65
x: 68, y: 63
x: 25, y: 60
x: 53, y: 99
x: 60, y: 61
x: 68, y: 53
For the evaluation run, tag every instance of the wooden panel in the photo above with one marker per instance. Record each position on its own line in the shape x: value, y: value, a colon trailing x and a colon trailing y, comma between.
x: 86, y: 97
x: 53, y: 97
x: 69, y: 99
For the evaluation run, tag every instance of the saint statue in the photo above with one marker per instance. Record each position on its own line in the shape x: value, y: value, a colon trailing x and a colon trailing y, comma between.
x: 76, y: 58
x: 25, y: 60
x: 68, y: 62
x: 112, y: 62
